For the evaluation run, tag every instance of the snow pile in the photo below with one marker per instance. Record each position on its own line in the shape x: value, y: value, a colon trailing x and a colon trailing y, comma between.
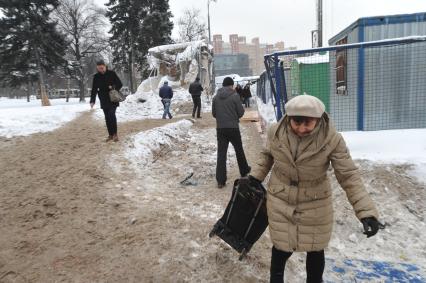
x: 266, y: 111
x: 178, y: 148
x: 391, y: 146
x: 21, y: 118
x: 146, y: 144
x: 146, y: 104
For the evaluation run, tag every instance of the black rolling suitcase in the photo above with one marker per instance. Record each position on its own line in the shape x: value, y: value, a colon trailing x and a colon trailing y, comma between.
x: 245, y: 218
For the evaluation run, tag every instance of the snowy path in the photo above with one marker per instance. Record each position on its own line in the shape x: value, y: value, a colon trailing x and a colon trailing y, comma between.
x: 86, y: 211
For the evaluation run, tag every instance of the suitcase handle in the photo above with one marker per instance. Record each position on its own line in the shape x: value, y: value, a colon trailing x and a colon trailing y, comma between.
x: 252, y: 220
x: 234, y: 197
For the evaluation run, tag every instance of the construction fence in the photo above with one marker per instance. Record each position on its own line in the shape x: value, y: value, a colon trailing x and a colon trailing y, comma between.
x: 365, y: 86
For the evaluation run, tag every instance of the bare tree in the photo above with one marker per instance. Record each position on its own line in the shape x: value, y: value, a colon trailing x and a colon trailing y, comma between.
x: 191, y: 25
x: 83, y: 23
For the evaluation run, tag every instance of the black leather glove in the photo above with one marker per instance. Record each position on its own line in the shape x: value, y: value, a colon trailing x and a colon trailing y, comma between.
x: 371, y: 226
x: 249, y: 181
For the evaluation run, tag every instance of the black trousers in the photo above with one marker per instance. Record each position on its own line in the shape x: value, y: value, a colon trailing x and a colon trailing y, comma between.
x: 224, y: 137
x: 197, y: 106
x: 315, y: 262
x: 111, y: 120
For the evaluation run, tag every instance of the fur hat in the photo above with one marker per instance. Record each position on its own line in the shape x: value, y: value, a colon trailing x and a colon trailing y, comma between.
x: 100, y: 62
x: 305, y: 105
x: 228, y: 81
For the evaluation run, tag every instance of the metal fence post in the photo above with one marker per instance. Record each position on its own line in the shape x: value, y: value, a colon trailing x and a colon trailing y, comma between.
x: 361, y: 74
x: 278, y: 97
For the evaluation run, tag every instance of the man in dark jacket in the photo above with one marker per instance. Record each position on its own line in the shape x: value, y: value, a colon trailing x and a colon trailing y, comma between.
x: 195, y: 89
x: 227, y: 109
x: 104, y: 81
x: 166, y: 94
x: 247, y: 95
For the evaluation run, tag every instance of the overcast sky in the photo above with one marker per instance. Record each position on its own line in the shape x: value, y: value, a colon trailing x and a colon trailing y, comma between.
x: 290, y: 21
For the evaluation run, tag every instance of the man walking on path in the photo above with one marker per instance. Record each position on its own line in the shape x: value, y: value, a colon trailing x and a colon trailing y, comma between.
x: 195, y: 89
x: 104, y: 81
x: 227, y: 109
x: 166, y: 94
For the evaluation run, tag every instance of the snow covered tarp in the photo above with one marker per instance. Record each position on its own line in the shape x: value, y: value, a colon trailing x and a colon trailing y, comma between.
x: 183, y: 62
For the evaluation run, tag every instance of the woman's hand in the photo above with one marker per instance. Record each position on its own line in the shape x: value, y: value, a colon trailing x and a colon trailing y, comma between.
x: 371, y: 226
x: 250, y: 181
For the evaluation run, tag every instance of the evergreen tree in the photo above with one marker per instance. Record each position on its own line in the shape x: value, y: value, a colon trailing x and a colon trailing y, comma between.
x: 30, y: 45
x: 125, y: 17
x: 156, y: 29
x: 137, y: 25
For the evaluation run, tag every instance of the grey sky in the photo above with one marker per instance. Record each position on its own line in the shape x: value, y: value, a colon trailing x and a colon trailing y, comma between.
x: 290, y: 21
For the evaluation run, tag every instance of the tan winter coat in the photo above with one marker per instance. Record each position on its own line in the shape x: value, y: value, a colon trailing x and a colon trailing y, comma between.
x: 299, y: 199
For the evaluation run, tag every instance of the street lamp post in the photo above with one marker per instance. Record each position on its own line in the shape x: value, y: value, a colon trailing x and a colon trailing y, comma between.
x: 208, y: 19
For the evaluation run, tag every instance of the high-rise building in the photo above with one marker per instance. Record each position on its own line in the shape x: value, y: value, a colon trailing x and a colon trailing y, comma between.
x: 233, y: 39
x: 254, y: 49
x: 279, y: 45
x: 218, y: 43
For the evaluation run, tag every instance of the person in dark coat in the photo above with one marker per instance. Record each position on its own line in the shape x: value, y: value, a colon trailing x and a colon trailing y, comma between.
x: 104, y: 81
x: 246, y: 93
x: 239, y: 90
x: 195, y: 89
x: 166, y: 94
x: 227, y: 109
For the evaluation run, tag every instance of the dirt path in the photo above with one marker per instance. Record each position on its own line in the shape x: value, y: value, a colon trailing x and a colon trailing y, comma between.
x: 57, y: 220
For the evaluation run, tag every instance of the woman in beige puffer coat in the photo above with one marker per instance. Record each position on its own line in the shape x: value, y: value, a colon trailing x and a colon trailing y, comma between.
x: 299, y: 151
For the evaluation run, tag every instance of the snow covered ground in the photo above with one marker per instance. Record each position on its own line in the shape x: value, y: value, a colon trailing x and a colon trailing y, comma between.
x: 21, y: 118
x: 391, y: 147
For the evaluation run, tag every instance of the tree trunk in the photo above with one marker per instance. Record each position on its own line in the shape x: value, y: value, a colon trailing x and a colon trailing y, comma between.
x: 28, y: 91
x: 131, y: 65
x: 43, y: 95
x: 131, y: 73
x: 68, y: 90
x: 82, y: 90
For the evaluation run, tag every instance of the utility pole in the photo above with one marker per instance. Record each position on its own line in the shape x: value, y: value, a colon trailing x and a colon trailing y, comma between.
x: 319, y: 22
x: 211, y: 72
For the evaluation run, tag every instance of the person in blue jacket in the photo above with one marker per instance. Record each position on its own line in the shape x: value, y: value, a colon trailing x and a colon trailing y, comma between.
x: 166, y: 94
